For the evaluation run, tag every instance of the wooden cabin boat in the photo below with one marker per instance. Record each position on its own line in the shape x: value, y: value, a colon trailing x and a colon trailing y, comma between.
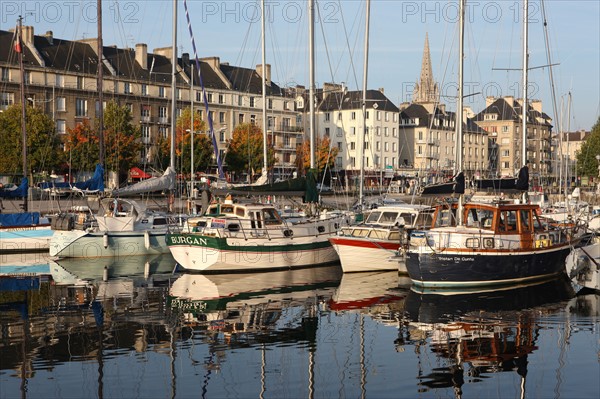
x: 498, y: 243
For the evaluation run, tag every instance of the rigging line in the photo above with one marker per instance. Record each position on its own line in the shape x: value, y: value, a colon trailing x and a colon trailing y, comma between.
x: 350, y: 52
x: 204, y: 96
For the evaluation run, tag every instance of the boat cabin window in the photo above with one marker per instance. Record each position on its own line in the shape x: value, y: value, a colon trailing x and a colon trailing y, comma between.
x: 407, y: 219
x: 525, y: 220
x: 481, y: 218
x: 388, y: 217
x: 159, y: 222
x: 424, y: 219
x: 508, y: 221
x: 256, y: 219
x: 226, y: 208
x: 271, y: 217
x: 445, y: 217
x: 394, y: 236
x: 360, y: 232
x: 239, y: 211
x: 213, y: 210
x: 373, y: 217
x: 378, y: 234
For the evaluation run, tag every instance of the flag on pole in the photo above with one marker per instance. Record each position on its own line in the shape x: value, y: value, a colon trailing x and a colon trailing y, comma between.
x: 18, y: 48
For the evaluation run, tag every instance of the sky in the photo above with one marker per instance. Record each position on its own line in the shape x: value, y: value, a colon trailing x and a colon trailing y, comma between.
x: 231, y: 30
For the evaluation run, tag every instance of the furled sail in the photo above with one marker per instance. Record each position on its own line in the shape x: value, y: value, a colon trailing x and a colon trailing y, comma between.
x: 164, y: 182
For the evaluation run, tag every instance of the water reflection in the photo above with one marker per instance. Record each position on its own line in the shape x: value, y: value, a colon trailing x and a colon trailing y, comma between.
x: 135, y: 329
x: 477, y: 334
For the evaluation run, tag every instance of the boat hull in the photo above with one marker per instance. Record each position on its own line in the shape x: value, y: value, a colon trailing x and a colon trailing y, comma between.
x: 364, y: 255
x: 84, y: 244
x: 206, y: 253
x: 25, y: 239
x: 475, y: 269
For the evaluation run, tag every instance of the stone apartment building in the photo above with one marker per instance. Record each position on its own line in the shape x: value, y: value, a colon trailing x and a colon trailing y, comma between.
x: 502, y: 120
x: 60, y: 77
x: 339, y: 116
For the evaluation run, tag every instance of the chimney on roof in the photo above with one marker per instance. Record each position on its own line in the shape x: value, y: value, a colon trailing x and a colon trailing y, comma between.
x: 165, y: 52
x: 185, y: 59
x: 50, y: 36
x: 214, y: 62
x: 381, y: 89
x: 489, y: 100
x: 141, y: 55
x: 510, y: 100
x: 442, y: 108
x: 28, y: 35
x: 537, y: 105
x: 329, y: 88
x: 267, y: 75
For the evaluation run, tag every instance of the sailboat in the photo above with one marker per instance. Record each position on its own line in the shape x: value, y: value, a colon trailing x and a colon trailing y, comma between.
x: 241, y: 237
x: 121, y: 226
x: 22, y: 231
x: 486, y: 243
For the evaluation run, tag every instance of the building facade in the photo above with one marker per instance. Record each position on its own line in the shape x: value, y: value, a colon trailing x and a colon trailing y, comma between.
x: 61, y: 77
x: 502, y: 120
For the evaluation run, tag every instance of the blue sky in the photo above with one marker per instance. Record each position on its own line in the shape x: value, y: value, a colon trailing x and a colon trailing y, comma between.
x: 231, y: 30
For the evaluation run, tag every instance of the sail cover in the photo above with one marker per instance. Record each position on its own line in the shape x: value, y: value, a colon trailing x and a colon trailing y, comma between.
x: 16, y: 191
x: 164, y: 182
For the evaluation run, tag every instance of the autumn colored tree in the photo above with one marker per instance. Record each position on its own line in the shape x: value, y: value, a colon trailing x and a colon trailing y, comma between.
x: 43, y: 144
x: 203, y: 148
x: 81, y: 147
x: 245, y: 150
x: 324, y: 156
x: 587, y: 164
x: 121, y: 138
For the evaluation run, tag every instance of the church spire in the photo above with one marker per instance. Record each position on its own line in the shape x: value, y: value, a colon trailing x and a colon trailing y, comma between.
x: 426, y: 90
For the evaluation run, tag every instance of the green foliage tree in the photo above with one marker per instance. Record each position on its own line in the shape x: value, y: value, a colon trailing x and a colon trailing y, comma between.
x: 43, y: 144
x: 122, y: 139
x: 81, y: 146
x: 587, y: 164
x: 324, y: 156
x: 245, y: 150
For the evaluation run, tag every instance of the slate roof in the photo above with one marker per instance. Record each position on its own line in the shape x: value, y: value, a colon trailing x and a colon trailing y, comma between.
x: 354, y: 99
x: 248, y: 80
x: 8, y: 54
x: 507, y: 112
x: 419, y: 111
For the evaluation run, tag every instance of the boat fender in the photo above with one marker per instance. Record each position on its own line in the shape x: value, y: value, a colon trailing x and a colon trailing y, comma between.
x: 147, y: 239
x: 288, y: 233
x: 105, y: 240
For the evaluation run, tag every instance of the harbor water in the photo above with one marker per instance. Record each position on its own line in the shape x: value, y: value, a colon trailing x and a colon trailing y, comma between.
x: 137, y: 327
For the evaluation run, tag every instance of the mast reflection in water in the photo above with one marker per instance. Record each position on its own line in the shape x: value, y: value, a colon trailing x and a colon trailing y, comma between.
x: 302, y: 333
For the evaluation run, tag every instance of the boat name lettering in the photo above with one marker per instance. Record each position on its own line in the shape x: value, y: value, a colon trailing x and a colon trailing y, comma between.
x: 456, y: 259
x: 188, y: 240
x: 186, y: 305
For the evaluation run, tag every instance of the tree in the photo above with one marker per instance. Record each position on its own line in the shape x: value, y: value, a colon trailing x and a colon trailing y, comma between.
x: 324, y: 156
x: 245, y: 150
x: 43, y: 144
x: 587, y: 164
x: 81, y: 145
x: 121, y: 138
x: 203, y: 148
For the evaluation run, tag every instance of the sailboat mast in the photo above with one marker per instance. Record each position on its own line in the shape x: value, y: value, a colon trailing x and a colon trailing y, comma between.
x: 364, y: 133
x: 459, y: 104
x: 173, y: 85
x: 264, y: 90
x: 192, y: 172
x: 23, y: 112
x: 100, y: 85
x: 459, y: 101
x: 525, y: 67
x: 311, y: 78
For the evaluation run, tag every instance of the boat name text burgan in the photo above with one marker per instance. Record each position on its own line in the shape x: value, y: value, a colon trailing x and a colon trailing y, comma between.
x: 188, y: 240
